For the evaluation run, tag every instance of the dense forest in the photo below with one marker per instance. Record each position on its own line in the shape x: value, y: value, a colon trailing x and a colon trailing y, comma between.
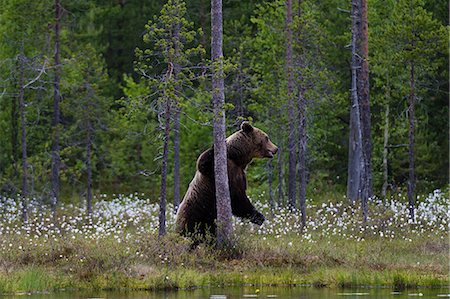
x: 84, y: 88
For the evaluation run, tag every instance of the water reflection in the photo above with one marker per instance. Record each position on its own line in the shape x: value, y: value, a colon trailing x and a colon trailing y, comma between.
x: 248, y: 292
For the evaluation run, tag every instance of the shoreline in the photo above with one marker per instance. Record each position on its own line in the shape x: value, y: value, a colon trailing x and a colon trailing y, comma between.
x: 37, y: 280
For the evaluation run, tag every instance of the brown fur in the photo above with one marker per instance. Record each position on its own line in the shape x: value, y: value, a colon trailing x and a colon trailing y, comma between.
x: 197, y: 212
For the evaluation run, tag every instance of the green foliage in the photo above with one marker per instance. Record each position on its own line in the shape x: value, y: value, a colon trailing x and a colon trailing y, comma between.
x: 99, y: 38
x: 406, y: 34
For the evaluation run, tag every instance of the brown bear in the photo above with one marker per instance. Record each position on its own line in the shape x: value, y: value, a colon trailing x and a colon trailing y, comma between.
x: 197, y: 212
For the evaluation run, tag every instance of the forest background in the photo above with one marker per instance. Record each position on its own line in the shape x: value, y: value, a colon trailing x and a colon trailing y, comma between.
x: 111, y: 117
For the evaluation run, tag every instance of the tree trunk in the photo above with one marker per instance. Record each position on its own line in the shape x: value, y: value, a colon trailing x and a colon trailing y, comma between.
x: 56, y: 111
x: 89, y: 167
x: 223, y: 201
x: 301, y: 103
x: 301, y: 106
x: 176, y: 160
x: 364, y: 99
x: 24, y: 140
x: 411, y: 179
x: 270, y: 181
x: 290, y: 95
x: 385, y: 153
x: 163, y: 190
x: 355, y: 66
x: 176, y: 126
x: 14, y: 134
x: 280, y: 176
x: 354, y: 152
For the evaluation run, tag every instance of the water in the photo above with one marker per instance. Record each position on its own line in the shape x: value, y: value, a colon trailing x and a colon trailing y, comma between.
x: 249, y: 292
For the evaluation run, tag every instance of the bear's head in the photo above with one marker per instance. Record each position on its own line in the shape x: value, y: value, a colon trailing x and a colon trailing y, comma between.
x: 248, y: 143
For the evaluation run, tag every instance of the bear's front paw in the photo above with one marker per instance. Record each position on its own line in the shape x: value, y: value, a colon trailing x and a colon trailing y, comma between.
x: 257, y: 218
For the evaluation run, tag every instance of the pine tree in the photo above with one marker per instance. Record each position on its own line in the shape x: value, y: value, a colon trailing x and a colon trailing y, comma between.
x: 170, y: 37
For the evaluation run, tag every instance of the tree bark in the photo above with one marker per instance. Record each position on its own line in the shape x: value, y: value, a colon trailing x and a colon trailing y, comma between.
x: 291, y: 109
x: 89, y: 165
x: 301, y: 103
x: 14, y: 134
x: 176, y: 125
x: 354, y: 152
x: 301, y: 107
x: 24, y: 140
x: 280, y: 176
x: 411, y: 179
x: 176, y: 160
x: 356, y: 66
x: 163, y: 190
x: 270, y: 181
x: 385, y: 152
x: 56, y: 112
x: 223, y: 201
x: 363, y: 86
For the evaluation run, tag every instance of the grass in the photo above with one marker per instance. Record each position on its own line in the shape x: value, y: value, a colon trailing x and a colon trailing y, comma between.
x: 118, y: 249
x: 170, y: 265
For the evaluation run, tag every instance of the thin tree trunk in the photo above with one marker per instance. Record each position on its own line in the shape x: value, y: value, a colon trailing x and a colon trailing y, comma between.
x: 223, y: 201
x: 24, y: 141
x: 385, y: 153
x: 280, y: 176
x: 176, y: 127
x: 202, y: 19
x: 364, y: 98
x: 89, y: 166
x: 270, y: 181
x: 176, y: 160
x: 411, y: 179
x: 56, y: 111
x: 354, y: 153
x: 14, y: 134
x: 291, y: 110
x: 163, y: 190
x: 301, y: 106
x: 354, y: 148
x: 302, y: 154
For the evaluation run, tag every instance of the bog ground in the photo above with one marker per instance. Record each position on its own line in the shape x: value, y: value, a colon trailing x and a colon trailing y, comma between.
x: 118, y: 247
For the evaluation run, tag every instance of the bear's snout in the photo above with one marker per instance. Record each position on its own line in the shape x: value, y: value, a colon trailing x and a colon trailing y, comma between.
x: 272, y: 150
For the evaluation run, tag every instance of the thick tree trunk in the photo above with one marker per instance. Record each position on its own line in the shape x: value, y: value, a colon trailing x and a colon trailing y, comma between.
x: 356, y: 66
x: 163, y: 190
x: 56, y: 111
x: 24, y: 141
x: 411, y: 179
x: 385, y: 152
x: 291, y: 109
x: 302, y: 154
x: 223, y: 201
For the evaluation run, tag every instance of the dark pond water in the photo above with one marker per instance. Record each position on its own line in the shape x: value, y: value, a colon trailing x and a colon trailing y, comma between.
x: 250, y: 292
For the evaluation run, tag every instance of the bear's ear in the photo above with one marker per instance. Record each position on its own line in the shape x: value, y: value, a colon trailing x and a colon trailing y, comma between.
x: 246, y: 127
